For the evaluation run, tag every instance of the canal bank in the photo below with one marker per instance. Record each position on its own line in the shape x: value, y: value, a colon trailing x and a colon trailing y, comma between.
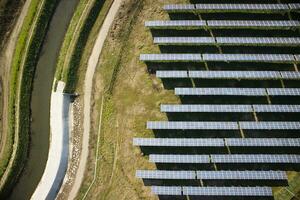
x: 40, y: 102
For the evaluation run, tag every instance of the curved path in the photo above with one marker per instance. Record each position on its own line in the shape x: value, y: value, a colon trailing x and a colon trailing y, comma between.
x: 92, y: 64
x: 57, y: 162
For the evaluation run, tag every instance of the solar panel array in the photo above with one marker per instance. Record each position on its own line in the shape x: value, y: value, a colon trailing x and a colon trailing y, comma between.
x: 256, y: 158
x: 262, y: 24
x: 172, y: 125
x: 262, y: 41
x: 239, y: 91
x: 163, y: 174
x: 226, y: 158
x: 211, y: 175
x: 212, y: 191
x: 241, y: 175
x: 163, y: 158
x: 210, y: 108
x: 285, y: 58
x: 252, y: 23
x: 229, y: 74
x: 217, y: 142
x: 227, y: 191
x: 282, y: 151
x: 232, y: 7
x: 225, y: 91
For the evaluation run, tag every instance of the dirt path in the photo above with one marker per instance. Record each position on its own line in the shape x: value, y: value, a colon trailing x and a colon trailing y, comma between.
x: 92, y: 64
x: 5, y: 63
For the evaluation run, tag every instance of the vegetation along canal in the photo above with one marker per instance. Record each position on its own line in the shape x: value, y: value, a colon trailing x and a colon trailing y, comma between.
x: 40, y: 102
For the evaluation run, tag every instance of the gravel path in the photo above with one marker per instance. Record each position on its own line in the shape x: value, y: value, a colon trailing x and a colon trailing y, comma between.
x: 88, y: 83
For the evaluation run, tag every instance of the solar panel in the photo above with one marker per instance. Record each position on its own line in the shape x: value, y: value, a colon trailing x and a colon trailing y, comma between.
x: 234, y: 74
x: 290, y: 75
x: 270, y: 125
x: 241, y: 175
x: 283, y: 91
x: 228, y: 191
x: 166, y: 190
x: 192, y: 125
x: 179, y: 142
x: 170, y: 57
x: 163, y: 158
x: 222, y: 91
x: 206, y: 108
x: 294, y: 6
x: 228, y: 40
x: 263, y: 142
x: 175, y: 23
x: 249, y: 57
x: 276, y: 108
x: 258, y: 40
x: 185, y: 7
x: 265, y: 24
x: 184, y: 40
x: 228, y: 108
x: 171, y: 74
x: 164, y: 174
x: 241, y: 7
x: 256, y: 158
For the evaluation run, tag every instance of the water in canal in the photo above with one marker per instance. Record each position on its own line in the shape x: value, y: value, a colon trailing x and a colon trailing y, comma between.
x: 40, y: 103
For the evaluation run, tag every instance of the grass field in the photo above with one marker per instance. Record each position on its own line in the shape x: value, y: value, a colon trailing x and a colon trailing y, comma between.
x: 131, y: 97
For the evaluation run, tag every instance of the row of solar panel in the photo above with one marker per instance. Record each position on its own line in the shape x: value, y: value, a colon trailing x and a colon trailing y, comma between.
x: 261, y: 24
x: 284, y: 58
x: 238, y: 91
x: 213, y: 191
x: 229, y: 108
x: 226, y: 158
x: 257, y: 41
x: 217, y: 142
x: 222, y: 125
x: 290, y: 75
x: 232, y: 7
x: 211, y: 175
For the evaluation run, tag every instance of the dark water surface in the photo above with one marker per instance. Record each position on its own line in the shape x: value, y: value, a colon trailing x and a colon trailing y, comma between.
x: 40, y: 103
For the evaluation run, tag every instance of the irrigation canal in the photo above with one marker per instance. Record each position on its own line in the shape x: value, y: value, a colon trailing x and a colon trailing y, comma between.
x: 40, y: 102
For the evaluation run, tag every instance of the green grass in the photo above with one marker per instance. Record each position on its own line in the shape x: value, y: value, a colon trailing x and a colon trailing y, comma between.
x: 294, y: 187
x: 75, y: 42
x: 21, y: 86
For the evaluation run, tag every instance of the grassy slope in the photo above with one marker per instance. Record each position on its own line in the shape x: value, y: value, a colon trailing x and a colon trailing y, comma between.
x: 78, y: 34
x: 132, y: 97
x: 22, y: 71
